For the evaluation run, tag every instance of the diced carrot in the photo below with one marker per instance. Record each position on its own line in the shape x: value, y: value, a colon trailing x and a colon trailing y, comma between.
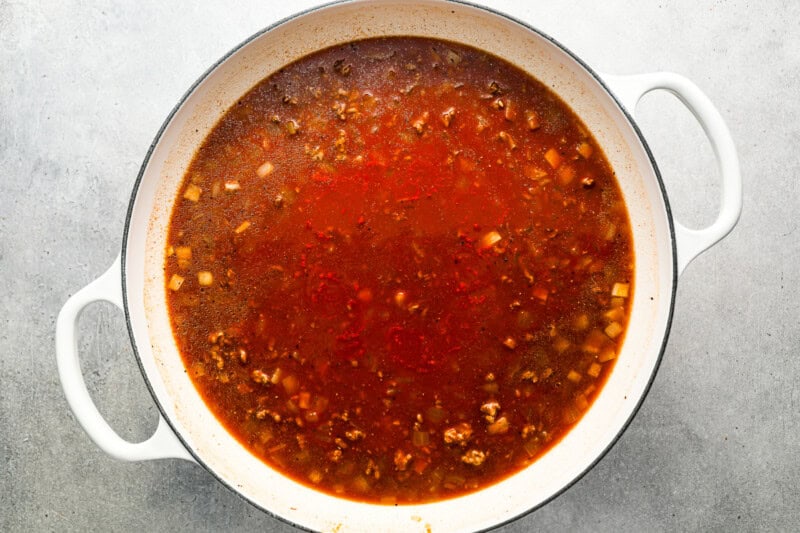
x: 595, y: 341
x: 205, y: 278
x: 553, y: 157
x: 620, y: 290
x: 561, y: 344
x: 489, y: 240
x: 581, y: 402
x: 290, y: 384
x: 175, y: 282
x: 613, y: 330
x: 607, y: 355
x: 566, y: 174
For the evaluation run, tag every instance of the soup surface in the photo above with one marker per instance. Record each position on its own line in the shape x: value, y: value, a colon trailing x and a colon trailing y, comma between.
x: 399, y: 270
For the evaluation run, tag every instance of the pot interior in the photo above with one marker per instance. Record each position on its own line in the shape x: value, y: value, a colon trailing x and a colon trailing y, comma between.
x: 201, y: 108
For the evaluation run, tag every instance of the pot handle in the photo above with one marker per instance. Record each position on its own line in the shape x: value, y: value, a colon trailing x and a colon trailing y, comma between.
x: 163, y: 443
x: 692, y: 242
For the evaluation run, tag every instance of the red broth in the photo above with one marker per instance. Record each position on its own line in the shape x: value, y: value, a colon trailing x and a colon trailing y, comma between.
x: 399, y: 270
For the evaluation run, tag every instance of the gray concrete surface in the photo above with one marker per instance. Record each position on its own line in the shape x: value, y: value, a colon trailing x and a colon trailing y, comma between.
x: 84, y: 87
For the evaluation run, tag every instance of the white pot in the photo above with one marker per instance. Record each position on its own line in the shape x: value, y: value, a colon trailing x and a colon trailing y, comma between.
x: 188, y: 430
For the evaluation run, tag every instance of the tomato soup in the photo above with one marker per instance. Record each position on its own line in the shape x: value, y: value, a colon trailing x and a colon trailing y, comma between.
x: 399, y: 270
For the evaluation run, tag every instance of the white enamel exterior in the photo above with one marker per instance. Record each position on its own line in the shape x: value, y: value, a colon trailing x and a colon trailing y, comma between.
x: 692, y: 242
x: 143, y: 284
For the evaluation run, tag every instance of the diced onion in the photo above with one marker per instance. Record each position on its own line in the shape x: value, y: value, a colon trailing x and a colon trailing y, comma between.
x: 265, y: 170
x: 594, y: 370
x: 573, y: 376
x: 243, y: 226
x: 435, y: 414
x: 420, y: 438
x: 292, y: 127
x: 265, y: 436
x: 611, y: 232
x: 532, y: 118
x: 491, y: 388
x: 508, y: 139
x: 454, y: 481
x: 532, y: 447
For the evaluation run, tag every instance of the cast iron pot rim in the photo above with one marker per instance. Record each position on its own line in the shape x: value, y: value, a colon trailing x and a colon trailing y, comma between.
x: 491, y: 11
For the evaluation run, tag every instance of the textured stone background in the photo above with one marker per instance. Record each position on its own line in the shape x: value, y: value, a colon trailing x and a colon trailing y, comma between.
x: 84, y: 86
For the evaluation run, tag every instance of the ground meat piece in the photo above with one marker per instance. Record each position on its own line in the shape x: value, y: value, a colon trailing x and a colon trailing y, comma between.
x: 490, y: 409
x: 474, y: 457
x: 264, y: 413
x: 354, y: 435
x: 372, y: 469
x: 458, y: 434
x: 401, y: 460
x: 335, y: 455
x: 528, y: 430
x: 259, y: 377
